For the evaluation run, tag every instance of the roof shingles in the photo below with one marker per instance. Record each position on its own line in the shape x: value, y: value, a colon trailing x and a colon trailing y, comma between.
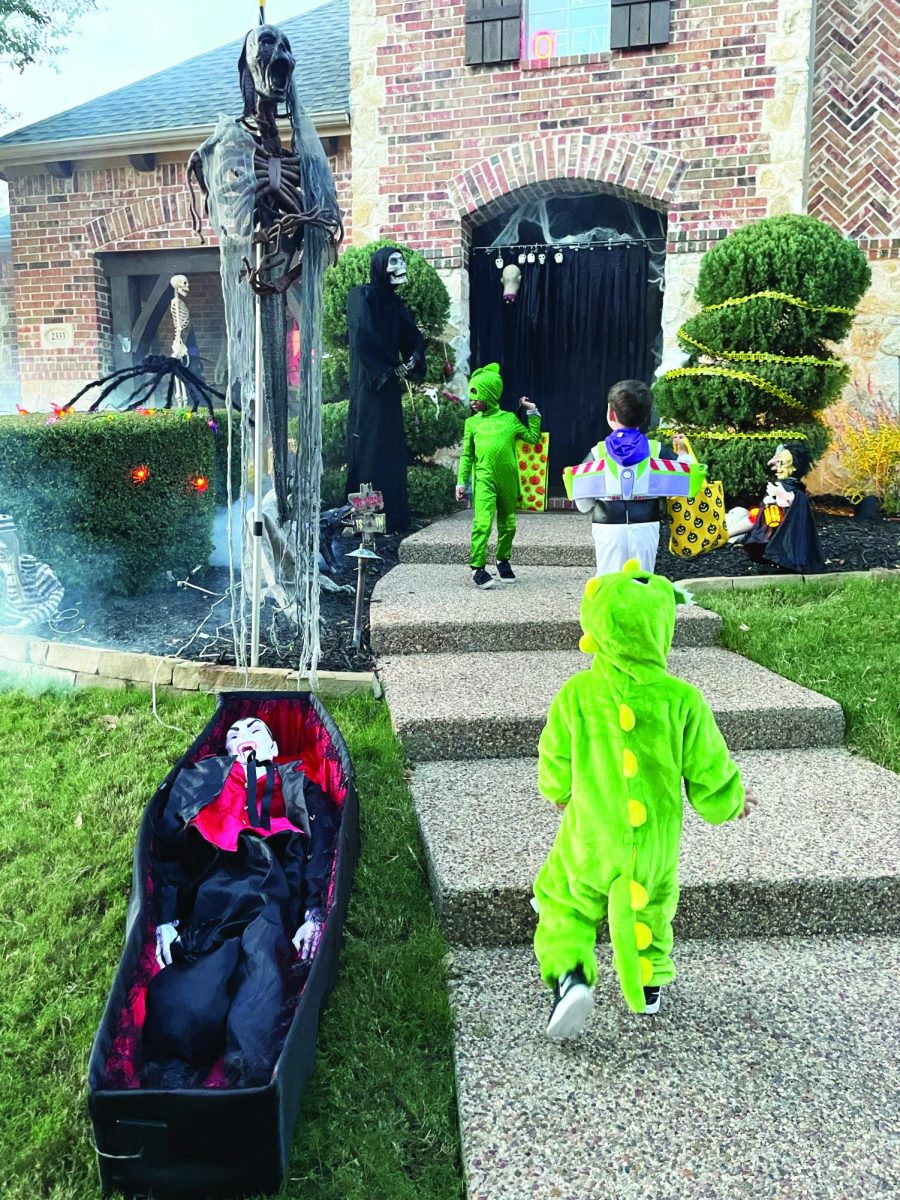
x: 196, y: 91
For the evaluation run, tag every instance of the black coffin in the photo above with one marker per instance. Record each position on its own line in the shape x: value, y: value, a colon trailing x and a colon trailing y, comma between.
x: 217, y: 1140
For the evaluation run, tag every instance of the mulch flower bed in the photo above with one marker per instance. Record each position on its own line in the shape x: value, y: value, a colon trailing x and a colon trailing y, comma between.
x: 165, y: 621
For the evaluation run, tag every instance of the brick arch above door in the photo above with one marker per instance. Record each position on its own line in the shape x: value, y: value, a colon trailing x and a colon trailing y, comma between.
x: 163, y: 219
x: 630, y: 170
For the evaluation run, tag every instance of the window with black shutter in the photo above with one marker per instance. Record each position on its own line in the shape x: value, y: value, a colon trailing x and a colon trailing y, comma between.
x: 493, y: 31
x: 636, y: 23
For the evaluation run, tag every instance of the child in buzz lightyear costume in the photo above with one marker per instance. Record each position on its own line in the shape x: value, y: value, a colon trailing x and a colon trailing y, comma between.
x: 489, y: 456
x: 618, y: 741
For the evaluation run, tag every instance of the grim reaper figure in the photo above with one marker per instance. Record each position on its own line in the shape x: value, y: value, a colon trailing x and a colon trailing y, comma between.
x: 386, y: 349
x: 274, y: 210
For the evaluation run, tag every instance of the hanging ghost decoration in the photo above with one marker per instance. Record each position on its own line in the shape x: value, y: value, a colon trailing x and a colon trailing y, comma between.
x: 512, y: 281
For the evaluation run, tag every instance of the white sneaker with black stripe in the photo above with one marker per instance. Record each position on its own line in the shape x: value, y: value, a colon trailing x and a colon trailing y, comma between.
x: 651, y: 1001
x: 572, y: 1004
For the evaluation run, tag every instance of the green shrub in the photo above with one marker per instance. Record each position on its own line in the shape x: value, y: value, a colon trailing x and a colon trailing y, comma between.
x: 429, y: 427
x: 333, y: 487
x: 800, y: 257
x: 431, y: 490
x: 69, y: 489
x: 334, y: 434
x: 424, y: 294
x: 740, y: 463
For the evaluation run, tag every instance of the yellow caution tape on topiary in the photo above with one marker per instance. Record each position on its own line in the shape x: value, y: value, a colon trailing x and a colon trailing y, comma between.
x: 745, y: 377
x: 788, y: 299
x: 758, y: 356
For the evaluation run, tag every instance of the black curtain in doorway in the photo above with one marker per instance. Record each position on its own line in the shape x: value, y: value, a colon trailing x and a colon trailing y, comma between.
x: 577, y: 327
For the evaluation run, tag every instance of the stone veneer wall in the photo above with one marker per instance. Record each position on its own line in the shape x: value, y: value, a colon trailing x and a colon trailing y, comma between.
x: 58, y: 228
x: 32, y: 659
x: 9, y: 356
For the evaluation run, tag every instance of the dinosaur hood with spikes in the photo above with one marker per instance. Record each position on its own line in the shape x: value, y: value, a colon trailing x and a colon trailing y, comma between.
x: 629, y: 620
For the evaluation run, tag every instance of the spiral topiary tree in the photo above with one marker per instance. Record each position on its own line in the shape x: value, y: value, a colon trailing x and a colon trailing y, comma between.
x: 424, y: 295
x: 759, y: 371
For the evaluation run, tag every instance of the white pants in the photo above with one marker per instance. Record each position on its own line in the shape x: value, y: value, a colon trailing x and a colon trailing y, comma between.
x: 615, y: 544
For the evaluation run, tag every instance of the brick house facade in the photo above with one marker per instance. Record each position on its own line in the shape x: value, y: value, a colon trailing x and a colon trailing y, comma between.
x: 747, y: 111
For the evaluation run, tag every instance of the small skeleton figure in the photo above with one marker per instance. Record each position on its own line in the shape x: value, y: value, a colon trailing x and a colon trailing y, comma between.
x: 181, y: 318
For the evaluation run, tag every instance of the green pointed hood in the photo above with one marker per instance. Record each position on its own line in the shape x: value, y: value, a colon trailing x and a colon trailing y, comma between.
x: 485, y: 384
x: 629, y: 620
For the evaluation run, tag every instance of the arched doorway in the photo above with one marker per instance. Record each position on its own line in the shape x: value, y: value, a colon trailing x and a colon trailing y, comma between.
x: 589, y: 306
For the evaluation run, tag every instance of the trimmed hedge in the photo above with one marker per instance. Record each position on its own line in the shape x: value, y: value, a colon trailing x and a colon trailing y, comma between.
x: 69, y: 489
x: 428, y: 427
x: 432, y: 490
x: 797, y: 256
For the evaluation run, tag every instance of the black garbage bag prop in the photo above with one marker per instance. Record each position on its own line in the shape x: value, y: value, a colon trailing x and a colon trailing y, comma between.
x: 215, y: 1133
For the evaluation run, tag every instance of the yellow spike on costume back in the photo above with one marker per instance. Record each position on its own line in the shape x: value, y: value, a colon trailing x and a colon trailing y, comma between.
x: 592, y: 586
x: 588, y: 644
x: 632, y: 566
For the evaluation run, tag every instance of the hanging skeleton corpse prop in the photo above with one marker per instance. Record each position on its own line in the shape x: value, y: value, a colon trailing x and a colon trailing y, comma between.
x: 276, y: 216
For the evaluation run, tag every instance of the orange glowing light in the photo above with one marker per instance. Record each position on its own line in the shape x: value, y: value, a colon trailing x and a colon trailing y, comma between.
x: 140, y: 474
x: 200, y: 483
x: 23, y: 412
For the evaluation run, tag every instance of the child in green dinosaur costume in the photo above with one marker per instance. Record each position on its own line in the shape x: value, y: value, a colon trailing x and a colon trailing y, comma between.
x: 489, y: 451
x: 618, y: 741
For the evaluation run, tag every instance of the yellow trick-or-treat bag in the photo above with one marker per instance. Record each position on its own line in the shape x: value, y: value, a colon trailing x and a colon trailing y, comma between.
x: 532, y: 460
x: 697, y: 524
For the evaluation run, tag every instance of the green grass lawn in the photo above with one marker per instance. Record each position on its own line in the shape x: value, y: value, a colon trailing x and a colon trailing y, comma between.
x: 841, y: 639
x: 379, y: 1118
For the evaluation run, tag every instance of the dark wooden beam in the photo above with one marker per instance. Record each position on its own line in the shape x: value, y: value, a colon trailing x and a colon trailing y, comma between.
x: 160, y: 262
x: 330, y: 146
x: 143, y: 162
x: 150, y: 316
x: 60, y: 170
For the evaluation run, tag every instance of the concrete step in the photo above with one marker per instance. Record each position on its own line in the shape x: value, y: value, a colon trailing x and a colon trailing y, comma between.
x: 818, y: 856
x: 770, y: 1071
x: 427, y: 607
x: 447, y: 706
x: 542, y: 540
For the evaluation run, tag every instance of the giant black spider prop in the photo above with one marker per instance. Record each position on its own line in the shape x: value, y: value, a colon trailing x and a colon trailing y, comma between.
x: 152, y: 373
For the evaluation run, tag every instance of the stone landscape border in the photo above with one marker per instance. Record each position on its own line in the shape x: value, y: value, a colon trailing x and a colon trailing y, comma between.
x: 727, y: 583
x: 65, y: 665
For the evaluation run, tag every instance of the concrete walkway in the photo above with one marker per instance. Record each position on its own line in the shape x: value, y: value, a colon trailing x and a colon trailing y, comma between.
x: 772, y: 1069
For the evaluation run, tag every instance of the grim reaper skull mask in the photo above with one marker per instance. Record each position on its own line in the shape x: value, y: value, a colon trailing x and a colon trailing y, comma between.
x: 396, y: 269
x: 268, y: 58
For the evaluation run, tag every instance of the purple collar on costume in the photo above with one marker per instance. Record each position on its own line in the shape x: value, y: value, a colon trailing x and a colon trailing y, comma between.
x: 627, y: 446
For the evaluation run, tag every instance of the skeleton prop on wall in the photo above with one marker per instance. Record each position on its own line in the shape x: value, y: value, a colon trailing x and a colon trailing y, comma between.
x: 181, y: 372
x: 30, y: 593
x: 274, y: 211
x: 784, y: 532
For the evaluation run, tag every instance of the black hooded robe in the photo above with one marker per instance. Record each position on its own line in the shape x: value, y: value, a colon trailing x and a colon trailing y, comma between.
x: 794, y: 544
x: 383, y: 334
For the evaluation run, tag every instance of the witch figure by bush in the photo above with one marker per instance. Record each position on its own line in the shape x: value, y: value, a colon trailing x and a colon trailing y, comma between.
x: 784, y: 530
x: 386, y: 349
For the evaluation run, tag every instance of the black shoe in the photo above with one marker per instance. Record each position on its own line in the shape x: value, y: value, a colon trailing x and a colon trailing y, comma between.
x: 651, y: 1001
x: 482, y: 579
x: 572, y: 1004
x: 505, y: 571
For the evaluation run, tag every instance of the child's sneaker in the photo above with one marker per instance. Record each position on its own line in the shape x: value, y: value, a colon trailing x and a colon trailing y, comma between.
x: 572, y: 1004
x: 482, y: 579
x: 505, y: 571
x: 651, y: 1000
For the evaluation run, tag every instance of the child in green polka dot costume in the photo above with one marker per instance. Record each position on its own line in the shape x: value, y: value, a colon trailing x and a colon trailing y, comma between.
x: 618, y: 741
